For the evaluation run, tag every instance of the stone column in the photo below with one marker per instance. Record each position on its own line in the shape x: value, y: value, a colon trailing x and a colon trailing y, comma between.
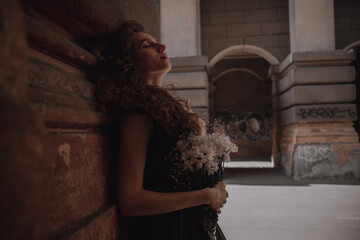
x: 313, y: 99
x: 180, y: 32
x: 311, y: 25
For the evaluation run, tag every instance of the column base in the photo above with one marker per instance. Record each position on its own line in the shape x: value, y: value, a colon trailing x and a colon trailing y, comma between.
x: 320, y: 151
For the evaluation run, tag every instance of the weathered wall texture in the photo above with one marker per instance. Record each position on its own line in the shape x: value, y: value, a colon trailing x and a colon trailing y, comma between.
x: 340, y: 160
x: 57, y: 160
x: 320, y: 151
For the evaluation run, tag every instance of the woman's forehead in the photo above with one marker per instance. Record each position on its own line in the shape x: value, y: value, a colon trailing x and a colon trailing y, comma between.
x: 139, y: 37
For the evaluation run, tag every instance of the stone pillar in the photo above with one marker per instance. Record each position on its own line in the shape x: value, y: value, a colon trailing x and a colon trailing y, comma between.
x: 180, y: 27
x: 313, y: 99
x: 180, y: 32
x: 311, y: 25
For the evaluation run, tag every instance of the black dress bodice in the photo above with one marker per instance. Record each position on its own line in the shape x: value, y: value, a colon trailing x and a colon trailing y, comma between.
x: 179, y: 225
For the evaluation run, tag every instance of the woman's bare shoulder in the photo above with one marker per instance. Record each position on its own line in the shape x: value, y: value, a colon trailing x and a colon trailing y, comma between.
x: 137, y: 122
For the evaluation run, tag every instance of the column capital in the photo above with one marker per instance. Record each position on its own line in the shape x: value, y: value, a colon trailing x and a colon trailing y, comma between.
x: 311, y: 59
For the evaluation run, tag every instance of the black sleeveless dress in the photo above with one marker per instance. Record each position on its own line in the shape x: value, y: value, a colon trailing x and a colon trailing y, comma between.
x: 184, y: 224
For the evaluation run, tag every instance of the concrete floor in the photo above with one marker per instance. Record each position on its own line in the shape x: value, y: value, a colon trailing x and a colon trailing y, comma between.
x: 264, y: 204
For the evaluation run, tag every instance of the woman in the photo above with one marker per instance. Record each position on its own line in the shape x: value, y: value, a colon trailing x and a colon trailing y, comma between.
x: 152, y: 123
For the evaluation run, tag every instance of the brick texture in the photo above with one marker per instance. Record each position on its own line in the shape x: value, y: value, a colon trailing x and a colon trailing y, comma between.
x: 212, y: 5
x: 243, y: 29
x: 346, y: 8
x: 342, y: 23
x: 273, y: 3
x: 226, y: 17
x: 241, y: 18
x: 264, y: 41
x: 213, y: 31
x: 219, y: 43
x: 275, y: 28
x: 355, y: 22
x: 204, y: 18
x: 283, y: 14
x: 242, y: 4
x: 261, y: 15
x: 284, y: 40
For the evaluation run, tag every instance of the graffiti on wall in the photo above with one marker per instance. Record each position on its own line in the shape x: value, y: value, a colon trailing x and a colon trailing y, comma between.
x: 313, y: 154
x: 325, y: 112
x: 253, y: 126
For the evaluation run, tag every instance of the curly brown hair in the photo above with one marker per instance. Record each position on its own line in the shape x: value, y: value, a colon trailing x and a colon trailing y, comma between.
x: 121, y: 84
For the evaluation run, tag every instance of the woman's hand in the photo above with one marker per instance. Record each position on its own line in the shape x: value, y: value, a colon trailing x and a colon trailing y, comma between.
x: 201, y: 122
x: 188, y: 106
x: 219, y: 196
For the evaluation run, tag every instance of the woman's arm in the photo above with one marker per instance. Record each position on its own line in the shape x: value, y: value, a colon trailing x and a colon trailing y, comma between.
x: 134, y: 133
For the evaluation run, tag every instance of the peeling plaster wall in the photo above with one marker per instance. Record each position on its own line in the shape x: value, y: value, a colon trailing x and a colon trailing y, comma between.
x: 319, y: 154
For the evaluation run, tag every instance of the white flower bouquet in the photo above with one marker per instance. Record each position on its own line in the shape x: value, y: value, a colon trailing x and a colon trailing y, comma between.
x: 209, y: 151
x: 198, y: 162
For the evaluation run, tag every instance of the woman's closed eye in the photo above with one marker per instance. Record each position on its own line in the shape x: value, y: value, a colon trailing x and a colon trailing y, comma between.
x: 151, y: 44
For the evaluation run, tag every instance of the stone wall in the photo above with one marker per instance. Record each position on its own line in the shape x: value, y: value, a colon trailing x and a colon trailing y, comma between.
x: 263, y: 23
x: 347, y: 22
x: 57, y: 160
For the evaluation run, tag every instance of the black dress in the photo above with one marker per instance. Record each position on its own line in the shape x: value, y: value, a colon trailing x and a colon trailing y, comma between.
x: 184, y: 224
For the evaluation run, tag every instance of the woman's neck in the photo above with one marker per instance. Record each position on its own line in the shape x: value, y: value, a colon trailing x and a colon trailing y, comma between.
x: 155, y: 79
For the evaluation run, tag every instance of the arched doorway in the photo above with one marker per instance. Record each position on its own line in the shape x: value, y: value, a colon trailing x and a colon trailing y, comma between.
x: 240, y: 97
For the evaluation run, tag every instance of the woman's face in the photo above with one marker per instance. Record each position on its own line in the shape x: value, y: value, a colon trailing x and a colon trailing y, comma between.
x: 149, y: 55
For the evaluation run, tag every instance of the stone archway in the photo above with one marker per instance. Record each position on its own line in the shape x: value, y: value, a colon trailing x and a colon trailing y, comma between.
x: 236, y: 72
x: 241, y: 49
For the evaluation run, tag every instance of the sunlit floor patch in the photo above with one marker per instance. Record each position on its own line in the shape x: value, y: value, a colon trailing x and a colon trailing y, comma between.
x: 249, y: 164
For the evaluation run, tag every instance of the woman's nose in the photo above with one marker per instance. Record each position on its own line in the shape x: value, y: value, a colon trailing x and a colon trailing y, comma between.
x: 161, y: 47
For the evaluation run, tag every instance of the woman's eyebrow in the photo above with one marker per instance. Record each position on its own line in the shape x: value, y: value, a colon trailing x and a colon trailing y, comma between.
x: 146, y: 40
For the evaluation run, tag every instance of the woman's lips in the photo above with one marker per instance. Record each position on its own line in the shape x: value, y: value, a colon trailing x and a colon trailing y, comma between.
x: 163, y: 56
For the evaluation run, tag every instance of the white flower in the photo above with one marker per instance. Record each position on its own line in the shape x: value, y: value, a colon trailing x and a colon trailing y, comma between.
x: 198, y: 151
x: 226, y: 158
x: 211, y: 167
x: 188, y: 165
x: 206, y: 152
x: 181, y: 146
